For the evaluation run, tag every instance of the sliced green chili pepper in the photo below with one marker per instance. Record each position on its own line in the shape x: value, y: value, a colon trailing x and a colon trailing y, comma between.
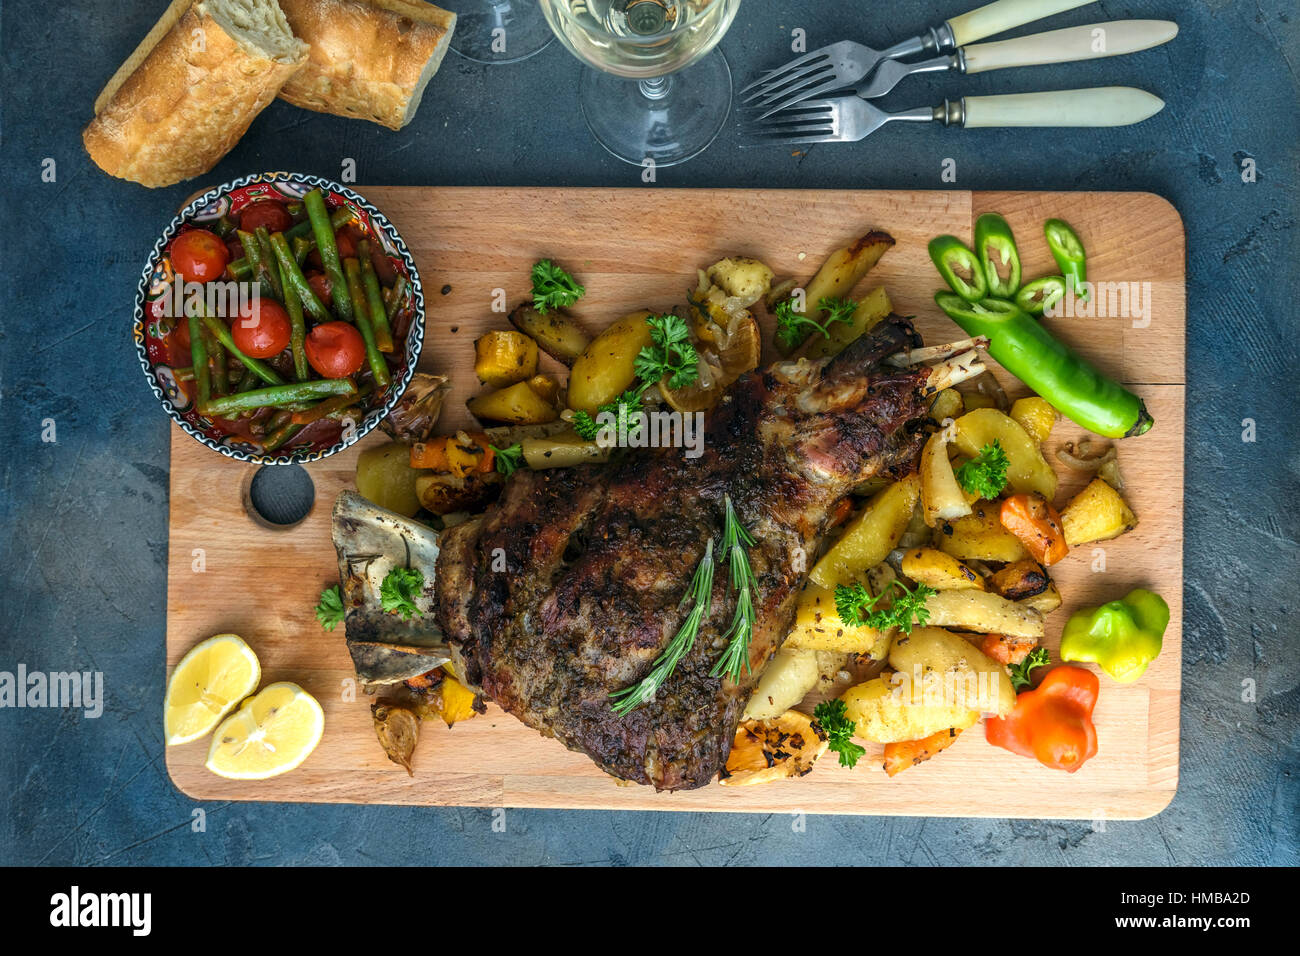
x: 1032, y: 354
x: 1067, y: 250
x: 996, y: 248
x: 1041, y: 295
x: 1121, y: 637
x: 955, y: 261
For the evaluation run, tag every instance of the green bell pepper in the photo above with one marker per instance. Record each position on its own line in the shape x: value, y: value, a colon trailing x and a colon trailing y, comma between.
x: 996, y: 247
x: 1121, y: 637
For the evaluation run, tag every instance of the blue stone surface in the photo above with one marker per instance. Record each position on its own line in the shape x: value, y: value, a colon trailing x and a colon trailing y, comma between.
x: 84, y: 518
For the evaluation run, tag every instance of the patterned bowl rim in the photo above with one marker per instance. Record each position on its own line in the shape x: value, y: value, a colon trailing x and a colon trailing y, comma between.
x: 414, y: 336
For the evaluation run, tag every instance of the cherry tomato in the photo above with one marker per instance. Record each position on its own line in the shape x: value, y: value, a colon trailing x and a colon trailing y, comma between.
x: 320, y: 284
x: 263, y: 331
x: 347, y: 248
x: 199, y: 255
x: 335, y: 349
x: 266, y: 213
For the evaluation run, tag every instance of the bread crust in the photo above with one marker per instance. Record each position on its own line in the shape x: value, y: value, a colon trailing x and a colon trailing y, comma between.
x: 185, y: 104
x: 369, y: 59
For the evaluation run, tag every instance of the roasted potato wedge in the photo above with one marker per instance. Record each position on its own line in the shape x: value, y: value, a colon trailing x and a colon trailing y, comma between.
x: 869, y: 537
x: 984, y: 612
x: 517, y: 404
x: 546, y: 387
x: 942, y: 497
x: 845, y: 268
x: 1097, y: 513
x: 607, y: 366
x: 943, y: 572
x: 1035, y: 415
x: 773, y: 749
x: 884, y: 714
x: 1027, y: 470
x: 979, y: 536
x: 786, y: 680
x: 555, y: 333
x: 818, y: 627
x: 385, y: 476
x: 872, y: 307
x: 502, y: 358
x: 937, y: 666
x: 1020, y: 580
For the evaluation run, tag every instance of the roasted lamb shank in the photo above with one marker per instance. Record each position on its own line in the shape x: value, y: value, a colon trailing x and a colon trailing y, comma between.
x: 568, y: 588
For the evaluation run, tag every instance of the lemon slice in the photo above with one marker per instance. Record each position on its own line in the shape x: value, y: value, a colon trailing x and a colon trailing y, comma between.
x: 269, y: 735
x: 210, y: 680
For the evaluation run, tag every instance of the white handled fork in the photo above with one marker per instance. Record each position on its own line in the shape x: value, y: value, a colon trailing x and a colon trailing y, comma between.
x: 849, y: 118
x: 844, y: 64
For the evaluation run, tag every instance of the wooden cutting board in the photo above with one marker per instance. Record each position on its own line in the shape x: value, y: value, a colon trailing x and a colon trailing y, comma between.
x: 639, y: 248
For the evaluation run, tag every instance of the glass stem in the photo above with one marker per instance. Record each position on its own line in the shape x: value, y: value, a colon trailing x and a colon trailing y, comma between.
x: 655, y: 88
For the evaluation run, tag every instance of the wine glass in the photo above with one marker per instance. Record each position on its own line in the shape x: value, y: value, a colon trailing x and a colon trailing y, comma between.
x: 659, y: 90
x: 498, y: 31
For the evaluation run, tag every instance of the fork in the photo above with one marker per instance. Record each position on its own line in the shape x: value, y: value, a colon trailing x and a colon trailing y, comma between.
x: 1057, y: 46
x: 847, y: 119
x: 844, y: 64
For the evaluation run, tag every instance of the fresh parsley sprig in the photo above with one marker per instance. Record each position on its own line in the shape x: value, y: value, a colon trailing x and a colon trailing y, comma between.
x: 792, y: 328
x: 839, y: 730
x: 399, y: 590
x: 734, y: 541
x: 857, y: 606
x: 670, y: 354
x: 1020, y: 672
x: 699, y: 595
x: 509, y: 459
x: 553, y: 288
x: 330, y: 609
x: 985, y: 474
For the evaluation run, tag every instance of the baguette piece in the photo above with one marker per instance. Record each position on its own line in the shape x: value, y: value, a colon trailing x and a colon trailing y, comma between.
x: 370, y: 59
x: 192, y: 87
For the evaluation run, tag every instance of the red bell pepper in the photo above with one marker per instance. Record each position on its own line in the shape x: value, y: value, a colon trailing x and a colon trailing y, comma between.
x: 1052, y: 724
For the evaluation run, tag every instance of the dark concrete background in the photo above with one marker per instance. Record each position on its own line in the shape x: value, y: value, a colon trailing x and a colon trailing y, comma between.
x: 84, y: 519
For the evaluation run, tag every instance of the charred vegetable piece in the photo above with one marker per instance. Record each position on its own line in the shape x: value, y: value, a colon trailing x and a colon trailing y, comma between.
x: 398, y: 730
x: 908, y: 753
x: 416, y: 413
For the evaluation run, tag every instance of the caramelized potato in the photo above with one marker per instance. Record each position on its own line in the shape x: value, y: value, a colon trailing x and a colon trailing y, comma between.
x: 741, y: 277
x: 607, y: 366
x: 1027, y: 470
x: 984, y: 612
x: 385, y: 476
x: 940, y: 571
x: 786, y: 680
x: 845, y: 268
x: 979, y: 536
x: 935, y: 664
x: 818, y: 627
x: 1035, y: 415
x: 872, y: 307
x: 947, y: 404
x: 558, y: 335
x: 546, y: 387
x: 885, y: 714
x: 1097, y: 513
x: 868, y: 538
x: 517, y: 404
x: 503, y: 358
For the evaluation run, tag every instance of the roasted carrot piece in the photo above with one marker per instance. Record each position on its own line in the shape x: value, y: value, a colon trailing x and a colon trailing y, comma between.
x: 1038, y: 526
x: 1007, y: 650
x: 448, y: 453
x: 909, y: 753
x: 431, y: 454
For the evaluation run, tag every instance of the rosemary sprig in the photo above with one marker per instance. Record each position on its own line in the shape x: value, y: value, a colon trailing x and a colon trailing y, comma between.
x: 700, y: 592
x: 734, y: 541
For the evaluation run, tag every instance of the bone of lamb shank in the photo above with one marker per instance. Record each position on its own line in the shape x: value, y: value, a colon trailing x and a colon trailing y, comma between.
x: 569, y: 587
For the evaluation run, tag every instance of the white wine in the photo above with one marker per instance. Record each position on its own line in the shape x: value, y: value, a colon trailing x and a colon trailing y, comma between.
x: 640, y: 39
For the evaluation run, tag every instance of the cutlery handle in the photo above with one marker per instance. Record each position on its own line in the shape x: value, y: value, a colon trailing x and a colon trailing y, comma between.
x: 1003, y: 15
x: 1090, y: 42
x: 1102, y: 106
